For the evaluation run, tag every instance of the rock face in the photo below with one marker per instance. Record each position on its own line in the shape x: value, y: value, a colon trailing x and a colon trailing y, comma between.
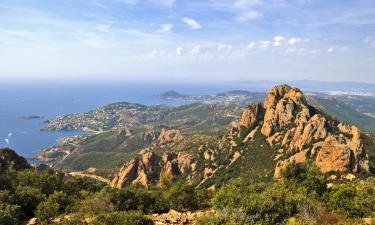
x: 291, y: 125
x: 148, y: 167
x: 168, y: 136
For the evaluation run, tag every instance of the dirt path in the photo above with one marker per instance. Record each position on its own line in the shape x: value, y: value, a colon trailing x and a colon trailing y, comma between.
x: 99, y: 178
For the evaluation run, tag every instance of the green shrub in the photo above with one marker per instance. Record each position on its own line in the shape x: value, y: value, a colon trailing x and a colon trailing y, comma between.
x: 28, y: 198
x: 47, y: 183
x: 122, y: 218
x: 353, y: 199
x: 306, y: 175
x: 9, y: 214
x: 180, y: 196
x: 261, y: 203
x: 224, y: 219
x: 53, y: 206
x: 93, y: 204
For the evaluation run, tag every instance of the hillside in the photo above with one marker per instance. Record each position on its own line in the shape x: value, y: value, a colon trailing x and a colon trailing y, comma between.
x: 271, y: 135
x: 291, y: 163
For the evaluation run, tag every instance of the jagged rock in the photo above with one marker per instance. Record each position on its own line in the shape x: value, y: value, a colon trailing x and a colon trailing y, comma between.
x: 251, y: 114
x: 251, y: 134
x: 147, y: 167
x: 334, y: 156
x: 136, y: 170
x: 299, y: 157
x: 289, y: 123
x: 280, y: 107
x: 312, y: 131
x: 168, y: 136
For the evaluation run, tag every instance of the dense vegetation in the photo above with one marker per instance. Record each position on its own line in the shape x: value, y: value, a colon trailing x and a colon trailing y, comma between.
x: 26, y: 193
x: 301, y: 197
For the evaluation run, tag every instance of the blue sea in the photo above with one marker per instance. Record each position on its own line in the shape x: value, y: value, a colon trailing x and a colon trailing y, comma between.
x: 50, y: 99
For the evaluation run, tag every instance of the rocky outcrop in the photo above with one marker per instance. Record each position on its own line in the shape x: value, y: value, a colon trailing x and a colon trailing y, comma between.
x: 251, y: 115
x: 148, y: 167
x: 289, y: 124
x: 284, y: 127
x: 299, y: 157
x: 174, y: 217
x: 168, y: 136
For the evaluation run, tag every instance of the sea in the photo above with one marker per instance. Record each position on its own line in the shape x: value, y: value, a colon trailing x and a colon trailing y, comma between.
x: 19, y: 100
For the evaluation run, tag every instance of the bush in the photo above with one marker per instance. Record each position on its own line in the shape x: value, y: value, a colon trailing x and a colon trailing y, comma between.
x: 262, y: 203
x: 138, y: 198
x: 9, y: 214
x: 53, y: 206
x: 122, y: 218
x: 180, y: 196
x: 353, y: 199
x: 47, y: 183
x: 224, y: 219
x: 28, y: 198
x: 93, y: 204
x: 47, y: 210
x: 306, y: 175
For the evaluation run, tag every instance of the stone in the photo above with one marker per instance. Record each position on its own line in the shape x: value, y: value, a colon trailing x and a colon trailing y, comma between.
x: 169, y: 136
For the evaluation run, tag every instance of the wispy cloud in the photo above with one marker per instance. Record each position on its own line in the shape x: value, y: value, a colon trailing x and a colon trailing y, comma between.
x: 164, y: 28
x: 248, y: 16
x: 192, y: 23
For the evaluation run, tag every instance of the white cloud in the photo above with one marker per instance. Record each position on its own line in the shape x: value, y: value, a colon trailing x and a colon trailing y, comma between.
x: 251, y: 45
x: 196, y: 49
x: 278, y: 41
x: 330, y: 50
x: 179, y: 51
x: 248, y: 16
x: 241, y: 4
x: 192, y: 23
x: 164, y: 28
x: 264, y: 44
x: 224, y: 47
x: 294, y: 41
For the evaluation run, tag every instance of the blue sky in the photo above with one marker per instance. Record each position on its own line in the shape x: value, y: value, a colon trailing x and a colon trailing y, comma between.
x: 188, y: 40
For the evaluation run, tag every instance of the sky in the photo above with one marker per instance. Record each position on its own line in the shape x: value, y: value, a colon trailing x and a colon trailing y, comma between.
x: 188, y: 40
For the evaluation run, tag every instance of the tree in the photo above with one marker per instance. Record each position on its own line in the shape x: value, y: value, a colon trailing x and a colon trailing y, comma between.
x: 53, y: 206
x: 28, y: 198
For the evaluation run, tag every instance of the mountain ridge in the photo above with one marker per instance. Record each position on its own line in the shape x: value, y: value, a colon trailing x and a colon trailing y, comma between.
x: 289, y: 130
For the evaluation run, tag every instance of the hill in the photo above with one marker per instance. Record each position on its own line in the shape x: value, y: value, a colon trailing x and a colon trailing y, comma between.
x: 282, y: 130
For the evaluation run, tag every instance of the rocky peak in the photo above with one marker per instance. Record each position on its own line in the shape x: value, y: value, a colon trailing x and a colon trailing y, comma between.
x: 148, y: 167
x: 289, y: 124
x: 169, y: 136
x: 283, y: 92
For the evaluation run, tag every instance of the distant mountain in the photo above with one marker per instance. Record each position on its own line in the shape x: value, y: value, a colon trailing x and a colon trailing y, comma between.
x: 170, y: 94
